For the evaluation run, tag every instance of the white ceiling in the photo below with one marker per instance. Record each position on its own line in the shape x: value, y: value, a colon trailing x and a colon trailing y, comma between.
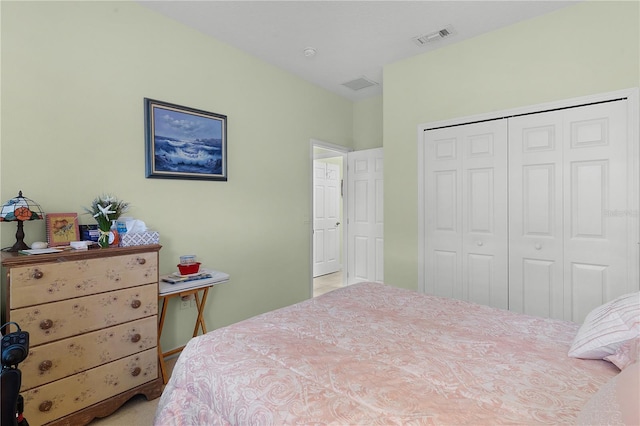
x: 353, y: 39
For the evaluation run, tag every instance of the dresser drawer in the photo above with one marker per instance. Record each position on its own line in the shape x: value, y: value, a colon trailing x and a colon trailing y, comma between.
x: 54, y: 400
x: 49, y: 282
x: 58, y: 320
x: 56, y: 360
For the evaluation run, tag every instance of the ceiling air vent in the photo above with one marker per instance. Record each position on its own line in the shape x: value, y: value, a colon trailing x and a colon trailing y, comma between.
x: 435, y: 36
x: 359, y: 83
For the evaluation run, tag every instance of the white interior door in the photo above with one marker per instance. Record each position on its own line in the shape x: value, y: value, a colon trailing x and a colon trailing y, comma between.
x: 326, y: 218
x: 465, y: 212
x: 365, y: 234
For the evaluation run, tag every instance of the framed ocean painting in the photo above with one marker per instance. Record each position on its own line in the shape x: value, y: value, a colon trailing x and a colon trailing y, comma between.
x: 184, y: 143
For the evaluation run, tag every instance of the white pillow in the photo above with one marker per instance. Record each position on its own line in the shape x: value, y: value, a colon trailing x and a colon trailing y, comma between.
x: 626, y: 354
x: 608, y: 327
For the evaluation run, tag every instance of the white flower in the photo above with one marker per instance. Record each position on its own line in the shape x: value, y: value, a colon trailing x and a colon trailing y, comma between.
x: 105, y: 210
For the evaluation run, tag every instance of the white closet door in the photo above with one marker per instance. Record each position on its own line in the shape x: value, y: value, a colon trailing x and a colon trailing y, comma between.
x: 466, y: 216
x: 595, y: 188
x: 536, y: 215
x: 568, y: 174
x: 443, y: 213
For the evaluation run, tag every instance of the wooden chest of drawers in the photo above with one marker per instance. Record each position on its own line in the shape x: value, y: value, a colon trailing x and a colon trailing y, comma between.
x: 92, y: 322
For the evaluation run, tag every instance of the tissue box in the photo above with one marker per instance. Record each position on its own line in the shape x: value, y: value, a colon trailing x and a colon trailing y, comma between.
x: 140, y: 238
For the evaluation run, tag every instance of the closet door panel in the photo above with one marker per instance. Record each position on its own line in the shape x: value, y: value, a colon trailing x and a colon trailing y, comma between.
x: 535, y: 215
x: 587, y: 284
x: 479, y: 279
x: 538, y: 286
x: 589, y: 191
x: 479, y: 203
x: 539, y: 200
x: 595, y: 186
x: 446, y: 266
x: 446, y: 201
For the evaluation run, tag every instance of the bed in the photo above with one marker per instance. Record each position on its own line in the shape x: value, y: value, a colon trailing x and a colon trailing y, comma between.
x: 375, y: 354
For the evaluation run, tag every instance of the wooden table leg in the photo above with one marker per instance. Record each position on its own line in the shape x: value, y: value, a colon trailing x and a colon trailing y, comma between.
x: 163, y: 313
x: 200, y: 305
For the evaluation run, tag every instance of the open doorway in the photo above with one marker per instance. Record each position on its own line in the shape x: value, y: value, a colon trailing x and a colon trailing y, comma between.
x: 328, y: 213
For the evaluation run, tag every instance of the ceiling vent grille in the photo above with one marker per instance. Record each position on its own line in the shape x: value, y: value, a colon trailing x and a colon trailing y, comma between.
x: 434, y: 36
x: 359, y: 83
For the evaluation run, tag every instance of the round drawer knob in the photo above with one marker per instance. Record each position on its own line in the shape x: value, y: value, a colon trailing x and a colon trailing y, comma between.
x: 45, y: 365
x: 135, y: 338
x: 45, y: 406
x: 135, y: 304
x: 538, y: 246
x: 37, y: 274
x: 136, y: 371
x: 46, y: 324
x: 141, y: 261
x: 480, y: 243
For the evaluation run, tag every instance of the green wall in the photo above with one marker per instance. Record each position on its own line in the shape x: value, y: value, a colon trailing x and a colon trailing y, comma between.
x: 74, y: 75
x: 367, y: 123
x: 587, y: 48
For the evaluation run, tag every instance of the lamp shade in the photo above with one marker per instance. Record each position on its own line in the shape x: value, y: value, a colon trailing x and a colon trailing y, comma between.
x: 20, y: 209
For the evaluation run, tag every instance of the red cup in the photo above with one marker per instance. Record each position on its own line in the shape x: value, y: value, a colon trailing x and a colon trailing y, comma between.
x: 190, y: 268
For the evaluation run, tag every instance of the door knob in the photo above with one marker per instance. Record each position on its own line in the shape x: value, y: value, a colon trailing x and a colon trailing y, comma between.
x: 337, y: 223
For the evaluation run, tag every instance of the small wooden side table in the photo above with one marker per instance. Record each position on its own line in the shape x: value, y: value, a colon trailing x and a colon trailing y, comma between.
x: 167, y: 291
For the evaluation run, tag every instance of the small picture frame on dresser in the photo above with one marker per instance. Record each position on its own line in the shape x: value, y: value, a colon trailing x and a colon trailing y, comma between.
x: 62, y: 228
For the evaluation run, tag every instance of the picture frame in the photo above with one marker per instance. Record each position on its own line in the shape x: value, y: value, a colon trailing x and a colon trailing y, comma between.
x: 184, y: 143
x: 62, y: 228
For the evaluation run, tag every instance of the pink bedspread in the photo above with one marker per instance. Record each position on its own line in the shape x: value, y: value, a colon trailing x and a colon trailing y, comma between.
x: 375, y: 354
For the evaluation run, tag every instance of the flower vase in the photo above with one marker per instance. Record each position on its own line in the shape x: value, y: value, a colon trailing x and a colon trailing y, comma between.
x: 103, y: 240
x: 106, y: 210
